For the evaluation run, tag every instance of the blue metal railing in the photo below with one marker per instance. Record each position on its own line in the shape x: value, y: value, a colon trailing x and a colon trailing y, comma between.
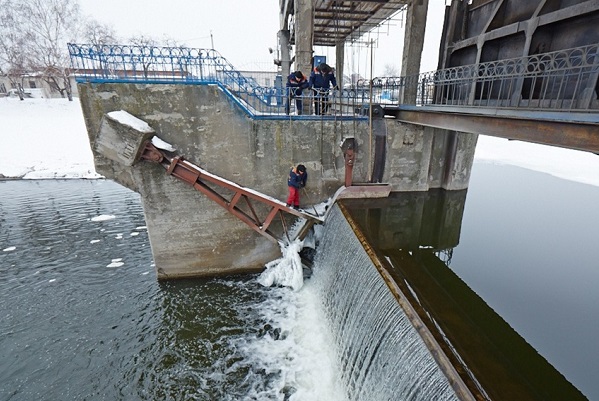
x: 565, y: 80
x: 179, y: 65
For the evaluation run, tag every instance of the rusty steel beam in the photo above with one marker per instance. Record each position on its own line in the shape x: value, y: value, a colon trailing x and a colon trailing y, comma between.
x: 198, y: 178
x: 566, y: 134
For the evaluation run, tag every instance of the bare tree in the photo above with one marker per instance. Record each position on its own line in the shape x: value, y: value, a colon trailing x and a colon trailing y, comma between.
x: 99, y: 34
x: 143, y: 52
x: 13, y: 40
x: 51, y: 24
x: 390, y: 70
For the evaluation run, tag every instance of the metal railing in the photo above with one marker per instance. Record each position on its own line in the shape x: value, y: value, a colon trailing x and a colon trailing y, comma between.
x: 179, y: 65
x: 565, y: 80
x: 562, y: 80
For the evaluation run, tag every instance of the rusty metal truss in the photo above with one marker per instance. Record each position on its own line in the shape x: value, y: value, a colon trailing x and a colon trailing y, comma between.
x: 243, y: 203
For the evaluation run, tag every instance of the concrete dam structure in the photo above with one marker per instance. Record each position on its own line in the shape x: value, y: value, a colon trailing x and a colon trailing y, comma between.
x: 189, y: 234
x: 509, y: 71
x: 381, y: 260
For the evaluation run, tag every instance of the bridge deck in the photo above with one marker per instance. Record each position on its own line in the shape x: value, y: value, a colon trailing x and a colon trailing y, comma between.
x: 572, y: 130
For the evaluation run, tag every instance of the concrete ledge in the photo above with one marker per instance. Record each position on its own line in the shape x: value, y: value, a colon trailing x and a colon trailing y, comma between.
x: 363, y: 191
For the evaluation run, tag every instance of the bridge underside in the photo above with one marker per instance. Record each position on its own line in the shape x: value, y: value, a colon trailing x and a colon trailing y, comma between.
x: 574, y: 131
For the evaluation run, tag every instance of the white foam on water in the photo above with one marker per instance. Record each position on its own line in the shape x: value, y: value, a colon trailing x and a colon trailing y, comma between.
x: 298, y: 344
x: 116, y: 263
x: 295, y: 349
x: 103, y: 217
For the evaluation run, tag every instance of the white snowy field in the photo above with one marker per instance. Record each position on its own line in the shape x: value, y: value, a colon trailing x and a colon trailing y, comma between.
x: 47, y: 138
x: 44, y: 138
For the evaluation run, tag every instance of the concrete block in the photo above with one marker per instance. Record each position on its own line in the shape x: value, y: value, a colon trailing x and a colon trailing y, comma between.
x: 121, y: 137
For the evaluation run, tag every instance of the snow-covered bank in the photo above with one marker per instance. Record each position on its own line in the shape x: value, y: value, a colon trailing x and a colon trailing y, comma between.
x: 47, y: 138
x: 563, y: 163
x: 44, y: 138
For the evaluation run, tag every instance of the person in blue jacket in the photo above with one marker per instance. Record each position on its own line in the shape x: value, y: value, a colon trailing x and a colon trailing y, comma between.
x: 320, y: 81
x: 297, y: 180
x: 296, y: 83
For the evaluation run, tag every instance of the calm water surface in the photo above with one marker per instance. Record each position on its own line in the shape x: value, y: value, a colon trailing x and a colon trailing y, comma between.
x: 528, y: 247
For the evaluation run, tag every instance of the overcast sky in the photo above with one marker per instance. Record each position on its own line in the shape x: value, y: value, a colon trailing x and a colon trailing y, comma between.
x: 243, y: 30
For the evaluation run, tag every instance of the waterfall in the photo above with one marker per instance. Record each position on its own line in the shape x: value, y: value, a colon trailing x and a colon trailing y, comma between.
x: 382, y: 356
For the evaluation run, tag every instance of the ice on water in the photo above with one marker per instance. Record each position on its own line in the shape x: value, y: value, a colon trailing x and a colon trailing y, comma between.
x: 286, y: 271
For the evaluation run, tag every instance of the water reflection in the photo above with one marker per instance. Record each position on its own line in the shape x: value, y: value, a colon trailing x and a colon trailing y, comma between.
x: 416, y: 233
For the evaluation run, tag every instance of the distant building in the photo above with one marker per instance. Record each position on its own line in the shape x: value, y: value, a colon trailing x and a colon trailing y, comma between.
x: 34, y: 86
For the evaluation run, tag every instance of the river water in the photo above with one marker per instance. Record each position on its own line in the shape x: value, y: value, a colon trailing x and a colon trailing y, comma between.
x: 83, y: 317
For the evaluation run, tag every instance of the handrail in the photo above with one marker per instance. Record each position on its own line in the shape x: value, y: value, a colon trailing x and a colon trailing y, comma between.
x: 564, y: 80
x: 181, y: 65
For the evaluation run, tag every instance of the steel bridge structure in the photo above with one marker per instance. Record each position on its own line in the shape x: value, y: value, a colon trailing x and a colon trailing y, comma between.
x: 550, y: 98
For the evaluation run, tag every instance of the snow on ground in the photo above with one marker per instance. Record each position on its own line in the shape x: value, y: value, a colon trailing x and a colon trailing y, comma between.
x: 44, y: 138
x: 563, y: 163
x: 47, y: 138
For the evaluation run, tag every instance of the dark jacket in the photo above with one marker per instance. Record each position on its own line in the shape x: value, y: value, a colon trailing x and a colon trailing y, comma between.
x: 293, y: 83
x: 296, y: 179
x: 320, y: 80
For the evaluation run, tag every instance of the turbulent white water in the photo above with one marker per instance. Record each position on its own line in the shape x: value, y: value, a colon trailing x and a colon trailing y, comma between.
x: 287, y: 270
x: 295, y: 347
x: 344, y: 319
x: 304, y: 351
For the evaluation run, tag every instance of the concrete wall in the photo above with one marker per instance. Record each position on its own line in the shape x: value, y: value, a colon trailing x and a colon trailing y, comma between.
x: 192, y: 236
x: 420, y: 158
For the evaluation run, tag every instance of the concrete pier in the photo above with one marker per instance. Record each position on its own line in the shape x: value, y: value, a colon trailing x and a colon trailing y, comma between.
x: 189, y: 234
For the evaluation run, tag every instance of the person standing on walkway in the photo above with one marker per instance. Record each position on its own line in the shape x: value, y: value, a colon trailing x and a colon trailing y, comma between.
x: 296, y: 83
x: 297, y: 180
x: 320, y: 81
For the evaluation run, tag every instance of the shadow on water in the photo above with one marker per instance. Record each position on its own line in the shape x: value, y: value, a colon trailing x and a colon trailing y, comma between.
x: 414, y: 234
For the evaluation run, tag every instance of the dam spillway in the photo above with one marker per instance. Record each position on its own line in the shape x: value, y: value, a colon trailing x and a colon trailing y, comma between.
x: 384, y: 262
x: 382, y: 354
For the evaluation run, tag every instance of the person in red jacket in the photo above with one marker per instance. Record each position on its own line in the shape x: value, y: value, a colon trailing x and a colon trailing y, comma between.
x: 297, y: 180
